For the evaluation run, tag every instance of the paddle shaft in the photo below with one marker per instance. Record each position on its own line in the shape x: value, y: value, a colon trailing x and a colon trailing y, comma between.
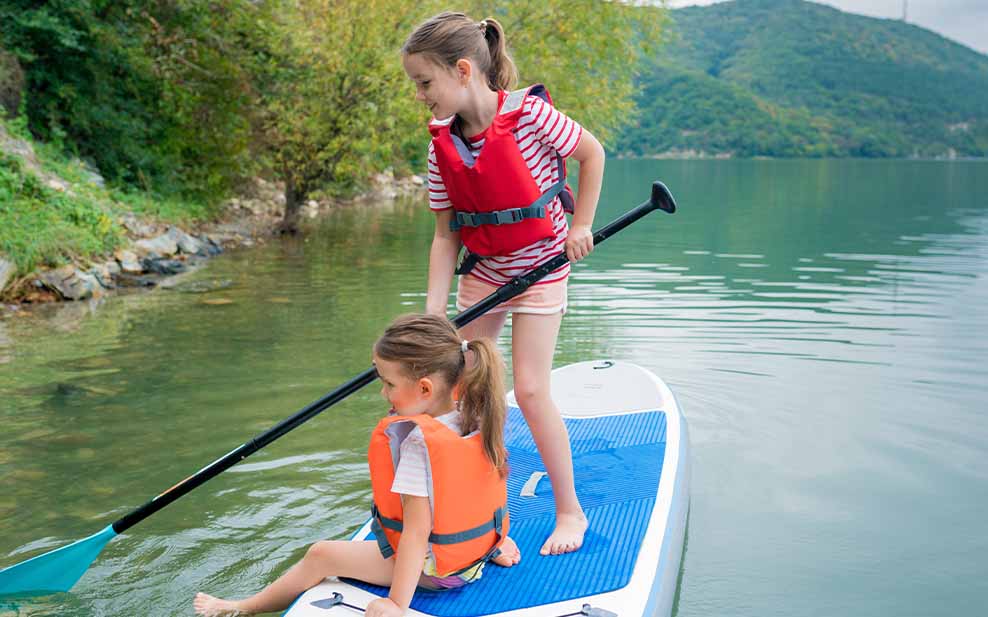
x: 661, y: 199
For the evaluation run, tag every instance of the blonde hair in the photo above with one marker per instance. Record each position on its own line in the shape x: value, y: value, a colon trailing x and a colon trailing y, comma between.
x: 448, y: 37
x: 430, y: 345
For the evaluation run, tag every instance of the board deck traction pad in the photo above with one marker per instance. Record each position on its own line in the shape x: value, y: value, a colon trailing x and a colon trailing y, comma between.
x: 617, y: 461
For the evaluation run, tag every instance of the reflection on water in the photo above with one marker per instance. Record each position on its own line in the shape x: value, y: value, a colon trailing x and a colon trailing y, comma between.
x: 822, y: 323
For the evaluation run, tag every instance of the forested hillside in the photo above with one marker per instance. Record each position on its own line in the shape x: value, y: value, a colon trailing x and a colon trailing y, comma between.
x: 795, y: 78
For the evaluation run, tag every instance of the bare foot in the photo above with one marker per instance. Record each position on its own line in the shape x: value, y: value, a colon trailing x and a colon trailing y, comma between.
x: 510, y: 555
x: 209, y: 606
x: 567, y: 536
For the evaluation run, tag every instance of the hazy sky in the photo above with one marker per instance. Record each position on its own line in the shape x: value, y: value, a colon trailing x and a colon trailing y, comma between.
x: 965, y: 21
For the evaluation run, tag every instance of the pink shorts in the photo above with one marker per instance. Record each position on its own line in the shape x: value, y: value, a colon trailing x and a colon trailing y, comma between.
x: 540, y: 298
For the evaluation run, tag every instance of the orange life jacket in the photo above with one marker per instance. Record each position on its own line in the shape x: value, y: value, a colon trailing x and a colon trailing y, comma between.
x: 469, y: 497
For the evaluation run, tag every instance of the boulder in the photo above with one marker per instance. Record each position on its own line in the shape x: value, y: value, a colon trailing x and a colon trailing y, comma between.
x: 129, y: 263
x: 162, y: 246
x: 71, y: 284
x: 104, y: 273
x: 165, y: 267
x: 186, y: 243
x: 136, y: 226
x: 210, y: 245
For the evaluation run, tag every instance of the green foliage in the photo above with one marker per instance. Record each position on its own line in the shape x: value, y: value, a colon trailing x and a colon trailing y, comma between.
x: 150, y: 92
x: 794, y: 78
x: 333, y: 102
x: 183, y: 98
x: 336, y: 106
x: 587, y: 52
x: 39, y: 224
x: 42, y: 223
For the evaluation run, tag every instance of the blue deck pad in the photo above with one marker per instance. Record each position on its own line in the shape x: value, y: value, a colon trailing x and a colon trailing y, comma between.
x: 617, y: 462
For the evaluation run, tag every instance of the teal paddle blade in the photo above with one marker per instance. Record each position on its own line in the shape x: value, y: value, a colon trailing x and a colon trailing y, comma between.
x: 55, y: 570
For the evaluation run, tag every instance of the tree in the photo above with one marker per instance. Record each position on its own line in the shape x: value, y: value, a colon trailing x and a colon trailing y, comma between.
x: 334, y: 102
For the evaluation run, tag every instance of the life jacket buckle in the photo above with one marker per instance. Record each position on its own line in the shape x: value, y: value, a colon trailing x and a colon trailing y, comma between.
x: 506, y: 217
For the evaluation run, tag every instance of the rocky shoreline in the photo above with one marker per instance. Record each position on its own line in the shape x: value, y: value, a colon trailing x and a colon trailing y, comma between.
x: 156, y: 251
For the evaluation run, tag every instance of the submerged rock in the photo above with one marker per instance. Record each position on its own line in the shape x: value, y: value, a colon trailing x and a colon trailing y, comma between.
x: 166, y: 267
x: 133, y: 280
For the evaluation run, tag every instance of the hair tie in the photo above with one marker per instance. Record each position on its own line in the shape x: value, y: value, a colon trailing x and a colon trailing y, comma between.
x: 464, y: 346
x: 483, y: 26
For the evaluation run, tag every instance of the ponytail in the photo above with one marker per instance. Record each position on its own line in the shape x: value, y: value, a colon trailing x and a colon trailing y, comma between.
x: 430, y: 345
x: 501, y: 73
x: 448, y: 37
x: 482, y: 400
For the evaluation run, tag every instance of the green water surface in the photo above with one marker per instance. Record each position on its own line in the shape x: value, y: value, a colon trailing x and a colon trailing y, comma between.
x: 823, y: 324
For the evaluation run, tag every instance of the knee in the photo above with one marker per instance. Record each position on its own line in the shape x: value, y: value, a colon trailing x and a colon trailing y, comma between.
x: 321, y: 551
x: 530, y: 394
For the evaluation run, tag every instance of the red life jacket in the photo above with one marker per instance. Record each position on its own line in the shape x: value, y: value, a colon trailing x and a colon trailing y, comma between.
x: 498, y: 206
x: 469, y: 497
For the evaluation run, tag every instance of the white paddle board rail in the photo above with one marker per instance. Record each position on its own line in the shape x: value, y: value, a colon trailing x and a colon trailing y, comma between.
x: 631, y: 461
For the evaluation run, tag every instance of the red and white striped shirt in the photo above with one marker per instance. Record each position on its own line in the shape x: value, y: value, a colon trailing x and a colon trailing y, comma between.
x: 542, y: 131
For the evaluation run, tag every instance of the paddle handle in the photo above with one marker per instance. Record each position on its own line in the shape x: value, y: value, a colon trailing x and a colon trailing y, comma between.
x: 661, y: 199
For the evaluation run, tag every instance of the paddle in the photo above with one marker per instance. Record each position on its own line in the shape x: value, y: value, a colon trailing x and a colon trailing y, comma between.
x: 59, y: 569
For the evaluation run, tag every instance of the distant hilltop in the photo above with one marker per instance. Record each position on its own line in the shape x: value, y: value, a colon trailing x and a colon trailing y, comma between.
x: 788, y: 78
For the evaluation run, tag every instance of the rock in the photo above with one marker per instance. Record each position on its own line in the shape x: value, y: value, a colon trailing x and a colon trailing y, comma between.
x: 128, y: 262
x: 186, y: 243
x: 311, y: 209
x: 417, y: 180
x: 103, y: 275
x: 7, y: 270
x: 90, y: 173
x: 163, y: 246
x: 57, y: 184
x: 72, y: 284
x: 131, y: 280
x: 166, y: 267
x: 209, y: 245
x: 112, y: 267
x: 136, y: 226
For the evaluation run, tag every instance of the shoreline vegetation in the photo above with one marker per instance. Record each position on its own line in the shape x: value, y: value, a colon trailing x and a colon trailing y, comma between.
x: 139, y: 127
x: 87, y: 240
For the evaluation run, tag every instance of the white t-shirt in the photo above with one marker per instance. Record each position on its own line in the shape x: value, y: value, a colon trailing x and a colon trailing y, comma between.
x: 411, y: 473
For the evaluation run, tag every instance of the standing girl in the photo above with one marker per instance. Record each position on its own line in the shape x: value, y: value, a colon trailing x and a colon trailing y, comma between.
x: 497, y: 186
x: 443, y: 439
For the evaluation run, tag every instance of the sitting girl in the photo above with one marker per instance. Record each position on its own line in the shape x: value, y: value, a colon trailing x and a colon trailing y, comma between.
x: 438, y: 467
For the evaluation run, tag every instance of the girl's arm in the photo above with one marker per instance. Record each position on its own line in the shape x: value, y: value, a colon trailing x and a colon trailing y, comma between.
x: 412, y: 549
x: 442, y: 263
x: 590, y: 155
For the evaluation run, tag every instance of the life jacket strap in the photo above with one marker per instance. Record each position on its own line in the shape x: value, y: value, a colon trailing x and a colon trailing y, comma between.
x: 497, y: 217
x: 468, y: 262
x: 535, y: 210
x: 496, y: 523
x: 382, y: 540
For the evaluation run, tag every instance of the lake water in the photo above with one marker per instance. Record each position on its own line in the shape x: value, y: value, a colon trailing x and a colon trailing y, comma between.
x: 823, y: 324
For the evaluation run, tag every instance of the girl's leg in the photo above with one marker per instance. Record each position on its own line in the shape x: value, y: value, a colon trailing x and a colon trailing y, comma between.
x: 487, y: 325
x: 359, y: 560
x: 532, y: 346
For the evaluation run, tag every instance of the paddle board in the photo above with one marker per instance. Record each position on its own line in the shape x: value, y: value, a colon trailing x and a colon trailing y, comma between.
x: 631, y: 463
